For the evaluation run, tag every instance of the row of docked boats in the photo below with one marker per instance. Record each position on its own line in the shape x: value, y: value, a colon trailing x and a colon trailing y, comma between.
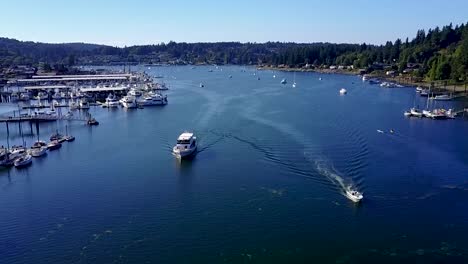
x: 439, y: 113
x: 135, y: 99
x: 20, y: 156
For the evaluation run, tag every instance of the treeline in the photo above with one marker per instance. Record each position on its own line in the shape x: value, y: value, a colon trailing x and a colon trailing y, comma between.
x: 437, y: 54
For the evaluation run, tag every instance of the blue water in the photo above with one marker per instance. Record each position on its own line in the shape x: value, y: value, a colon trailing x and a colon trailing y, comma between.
x: 265, y: 187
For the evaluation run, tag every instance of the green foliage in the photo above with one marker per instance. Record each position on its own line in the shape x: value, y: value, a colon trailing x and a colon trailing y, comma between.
x: 438, y: 54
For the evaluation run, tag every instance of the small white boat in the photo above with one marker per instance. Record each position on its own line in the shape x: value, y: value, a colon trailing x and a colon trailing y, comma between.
x: 415, y: 112
x: 353, y: 195
x: 427, y: 113
x: 284, y: 81
x: 364, y: 78
x: 38, y: 152
x: 343, y: 91
x: 442, y: 97
x: 320, y: 78
x: 274, y: 76
x: 23, y: 161
x: 380, y: 131
x: 186, y: 145
x: 419, y: 89
x: 202, y: 85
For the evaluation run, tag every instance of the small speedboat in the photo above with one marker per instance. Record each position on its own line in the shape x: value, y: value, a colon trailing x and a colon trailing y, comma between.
x: 343, y: 91
x: 23, y: 161
x: 354, y: 195
x: 54, y: 144
x: 186, y: 145
x: 294, y: 85
x: 202, y: 85
x: 284, y: 81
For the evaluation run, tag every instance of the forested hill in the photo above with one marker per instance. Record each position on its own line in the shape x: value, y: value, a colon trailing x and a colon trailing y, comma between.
x: 438, y: 54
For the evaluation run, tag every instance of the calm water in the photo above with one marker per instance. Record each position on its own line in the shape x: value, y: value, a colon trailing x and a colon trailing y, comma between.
x: 265, y: 187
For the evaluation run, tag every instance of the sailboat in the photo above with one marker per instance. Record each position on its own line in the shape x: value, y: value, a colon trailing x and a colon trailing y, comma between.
x: 8, y: 161
x: 68, y: 138
x: 294, y: 80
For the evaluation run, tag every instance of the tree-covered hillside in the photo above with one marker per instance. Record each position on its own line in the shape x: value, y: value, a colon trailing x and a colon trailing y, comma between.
x: 437, y: 54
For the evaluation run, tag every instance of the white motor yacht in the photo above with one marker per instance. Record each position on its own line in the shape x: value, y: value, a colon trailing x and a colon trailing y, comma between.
x: 152, y: 99
x: 343, y: 91
x: 186, y: 145
x: 111, y: 101
x: 134, y: 92
x: 354, y: 195
x: 128, y: 101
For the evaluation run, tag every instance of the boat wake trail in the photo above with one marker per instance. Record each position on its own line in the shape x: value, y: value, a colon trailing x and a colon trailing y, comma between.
x: 300, y: 155
x: 326, y: 168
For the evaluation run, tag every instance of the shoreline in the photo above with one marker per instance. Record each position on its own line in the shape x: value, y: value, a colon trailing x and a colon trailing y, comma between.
x: 404, y: 81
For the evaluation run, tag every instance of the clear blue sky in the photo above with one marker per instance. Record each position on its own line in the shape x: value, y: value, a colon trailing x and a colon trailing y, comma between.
x: 120, y: 23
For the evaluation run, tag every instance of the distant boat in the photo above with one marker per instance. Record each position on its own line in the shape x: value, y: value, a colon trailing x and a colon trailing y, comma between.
x: 230, y: 76
x: 443, y: 97
x: 343, y: 91
x: 320, y: 78
x: 274, y: 76
x: 294, y: 80
x: 283, y: 81
x: 202, y: 85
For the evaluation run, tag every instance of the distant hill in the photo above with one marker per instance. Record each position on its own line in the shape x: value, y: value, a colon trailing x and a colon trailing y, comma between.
x: 438, y: 54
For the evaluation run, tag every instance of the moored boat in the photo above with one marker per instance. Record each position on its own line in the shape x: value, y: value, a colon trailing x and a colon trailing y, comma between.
x: 38, y: 152
x: 23, y: 161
